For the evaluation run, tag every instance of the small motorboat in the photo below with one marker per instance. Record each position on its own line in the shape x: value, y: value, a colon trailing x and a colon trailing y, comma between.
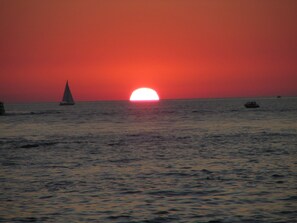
x: 251, y: 104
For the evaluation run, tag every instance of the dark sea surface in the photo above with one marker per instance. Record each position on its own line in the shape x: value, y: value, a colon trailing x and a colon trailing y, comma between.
x: 169, y: 161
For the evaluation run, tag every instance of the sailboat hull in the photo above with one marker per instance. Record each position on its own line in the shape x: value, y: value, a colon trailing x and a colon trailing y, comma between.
x: 66, y: 103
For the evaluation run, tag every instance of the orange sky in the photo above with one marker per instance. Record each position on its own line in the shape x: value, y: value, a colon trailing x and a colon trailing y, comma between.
x: 181, y: 48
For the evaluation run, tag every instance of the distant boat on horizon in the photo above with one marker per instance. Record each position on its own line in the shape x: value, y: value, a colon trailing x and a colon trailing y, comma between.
x: 67, y: 97
x: 251, y: 104
x: 2, y: 109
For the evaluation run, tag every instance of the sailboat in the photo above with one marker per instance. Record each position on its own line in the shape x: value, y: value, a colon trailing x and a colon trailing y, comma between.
x: 67, y: 97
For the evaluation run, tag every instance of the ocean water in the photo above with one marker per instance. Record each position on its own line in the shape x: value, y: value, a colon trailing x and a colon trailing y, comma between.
x: 169, y: 161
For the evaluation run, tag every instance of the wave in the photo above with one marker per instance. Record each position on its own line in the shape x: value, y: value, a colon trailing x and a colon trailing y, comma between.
x: 47, y: 112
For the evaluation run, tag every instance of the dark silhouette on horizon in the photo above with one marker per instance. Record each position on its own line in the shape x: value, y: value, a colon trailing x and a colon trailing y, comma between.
x: 67, y: 97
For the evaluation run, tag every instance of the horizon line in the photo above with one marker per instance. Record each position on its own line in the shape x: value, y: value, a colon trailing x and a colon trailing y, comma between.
x: 161, y: 99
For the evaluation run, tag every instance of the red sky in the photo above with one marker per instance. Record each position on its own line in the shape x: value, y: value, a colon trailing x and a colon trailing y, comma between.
x: 181, y: 48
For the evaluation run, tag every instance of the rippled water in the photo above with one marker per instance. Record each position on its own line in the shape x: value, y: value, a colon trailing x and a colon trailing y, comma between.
x: 170, y: 161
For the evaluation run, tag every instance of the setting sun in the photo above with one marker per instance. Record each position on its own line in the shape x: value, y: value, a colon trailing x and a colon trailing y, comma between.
x: 144, y: 94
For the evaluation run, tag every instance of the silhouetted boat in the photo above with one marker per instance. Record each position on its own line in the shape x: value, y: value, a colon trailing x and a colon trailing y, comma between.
x: 67, y: 97
x: 251, y: 104
x: 278, y: 96
x: 2, y: 110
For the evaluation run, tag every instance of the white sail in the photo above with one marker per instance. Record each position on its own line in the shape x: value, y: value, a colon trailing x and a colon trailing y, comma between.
x: 67, y: 97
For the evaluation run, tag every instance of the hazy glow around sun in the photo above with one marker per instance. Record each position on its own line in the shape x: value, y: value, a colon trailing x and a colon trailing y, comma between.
x: 144, y: 94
